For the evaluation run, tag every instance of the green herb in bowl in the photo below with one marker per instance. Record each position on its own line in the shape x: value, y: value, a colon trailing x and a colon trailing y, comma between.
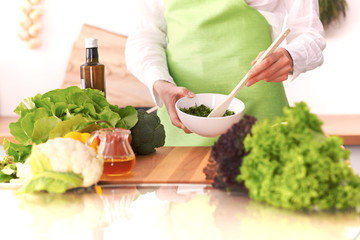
x: 203, y: 111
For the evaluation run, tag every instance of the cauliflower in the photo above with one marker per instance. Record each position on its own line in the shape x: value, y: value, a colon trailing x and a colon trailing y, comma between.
x: 60, y: 164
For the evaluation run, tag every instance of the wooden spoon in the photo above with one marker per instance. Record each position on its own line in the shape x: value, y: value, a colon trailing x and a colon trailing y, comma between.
x: 220, y: 109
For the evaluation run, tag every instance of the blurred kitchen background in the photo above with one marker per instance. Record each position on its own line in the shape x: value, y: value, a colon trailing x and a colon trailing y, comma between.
x: 332, y: 88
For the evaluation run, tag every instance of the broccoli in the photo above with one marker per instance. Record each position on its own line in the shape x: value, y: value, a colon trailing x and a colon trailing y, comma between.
x: 147, y: 134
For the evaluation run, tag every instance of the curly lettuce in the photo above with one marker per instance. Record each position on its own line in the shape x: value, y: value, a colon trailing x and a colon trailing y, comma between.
x: 293, y: 164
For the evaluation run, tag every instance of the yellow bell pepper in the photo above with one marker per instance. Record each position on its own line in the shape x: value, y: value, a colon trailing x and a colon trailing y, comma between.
x: 82, y: 137
x: 74, y: 135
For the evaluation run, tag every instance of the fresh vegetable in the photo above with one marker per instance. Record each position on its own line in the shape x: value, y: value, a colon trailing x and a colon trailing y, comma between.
x: 203, y: 111
x: 15, y: 154
x: 57, y: 112
x: 7, y: 169
x: 292, y: 164
x: 147, y: 134
x: 60, y: 111
x: 330, y: 11
x: 58, y: 165
x: 82, y: 137
x: 227, y: 155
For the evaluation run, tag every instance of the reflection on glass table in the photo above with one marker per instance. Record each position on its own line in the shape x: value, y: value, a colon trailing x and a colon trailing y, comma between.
x: 165, y: 212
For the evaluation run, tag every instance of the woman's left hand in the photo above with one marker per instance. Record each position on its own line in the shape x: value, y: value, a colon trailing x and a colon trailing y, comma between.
x: 274, y: 68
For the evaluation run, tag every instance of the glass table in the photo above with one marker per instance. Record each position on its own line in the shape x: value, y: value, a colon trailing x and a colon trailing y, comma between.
x: 164, y: 211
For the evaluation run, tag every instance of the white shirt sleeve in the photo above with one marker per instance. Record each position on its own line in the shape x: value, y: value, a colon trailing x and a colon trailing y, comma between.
x: 145, y: 49
x: 306, y: 40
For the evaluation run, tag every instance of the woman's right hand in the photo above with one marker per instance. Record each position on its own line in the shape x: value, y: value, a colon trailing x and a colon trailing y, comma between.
x: 169, y: 93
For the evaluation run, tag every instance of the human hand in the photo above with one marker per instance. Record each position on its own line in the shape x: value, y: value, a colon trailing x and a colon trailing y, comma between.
x: 170, y: 93
x: 274, y: 68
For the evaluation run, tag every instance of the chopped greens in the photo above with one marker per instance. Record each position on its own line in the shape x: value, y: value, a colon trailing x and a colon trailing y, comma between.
x: 203, y: 111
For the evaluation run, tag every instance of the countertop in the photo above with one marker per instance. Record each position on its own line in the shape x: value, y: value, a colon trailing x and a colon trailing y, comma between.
x: 163, y: 212
x: 345, y: 126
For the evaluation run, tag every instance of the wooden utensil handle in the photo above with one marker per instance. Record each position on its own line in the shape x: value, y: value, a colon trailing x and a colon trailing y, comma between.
x: 274, y: 45
x: 220, y: 109
x: 268, y: 51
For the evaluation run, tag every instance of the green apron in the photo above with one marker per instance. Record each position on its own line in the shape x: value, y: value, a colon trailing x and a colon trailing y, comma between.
x: 211, y: 44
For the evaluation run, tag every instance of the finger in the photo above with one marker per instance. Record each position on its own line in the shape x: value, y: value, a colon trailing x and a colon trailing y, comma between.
x: 275, y: 70
x: 264, y: 71
x: 273, y: 74
x: 175, y: 119
x: 184, y: 92
x: 257, y: 58
x: 280, y: 70
x: 264, y: 64
x: 170, y: 98
x: 190, y: 94
x: 280, y: 78
x: 283, y: 73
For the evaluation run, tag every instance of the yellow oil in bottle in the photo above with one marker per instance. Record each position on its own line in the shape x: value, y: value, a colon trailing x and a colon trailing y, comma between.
x: 118, y: 167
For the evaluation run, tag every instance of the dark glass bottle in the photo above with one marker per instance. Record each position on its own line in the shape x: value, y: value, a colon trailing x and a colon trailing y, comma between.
x: 92, y: 72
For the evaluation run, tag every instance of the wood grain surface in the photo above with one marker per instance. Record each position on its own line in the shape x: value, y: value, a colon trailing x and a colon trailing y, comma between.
x: 122, y: 88
x: 168, y: 165
x: 345, y: 126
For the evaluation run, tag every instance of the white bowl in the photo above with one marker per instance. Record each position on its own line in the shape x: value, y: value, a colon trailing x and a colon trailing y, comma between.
x: 209, y: 127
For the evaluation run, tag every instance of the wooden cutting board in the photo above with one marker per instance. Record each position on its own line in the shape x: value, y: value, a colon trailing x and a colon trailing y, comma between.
x: 168, y: 165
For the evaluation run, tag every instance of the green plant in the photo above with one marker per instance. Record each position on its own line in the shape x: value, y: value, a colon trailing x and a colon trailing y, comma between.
x: 147, y: 134
x: 292, y: 164
x: 58, y: 165
x: 57, y: 112
x: 331, y: 9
